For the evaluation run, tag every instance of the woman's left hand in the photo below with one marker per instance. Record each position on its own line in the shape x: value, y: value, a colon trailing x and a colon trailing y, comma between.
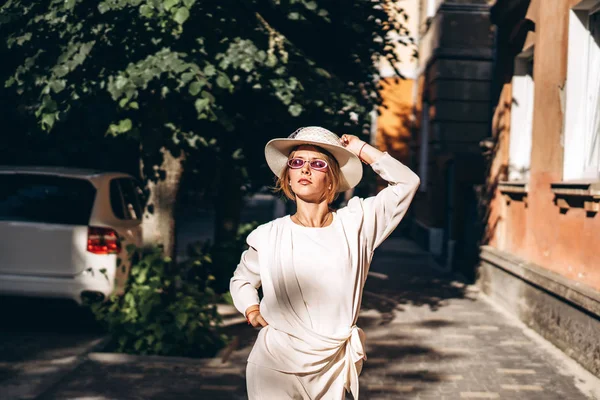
x: 367, y: 153
x: 352, y: 143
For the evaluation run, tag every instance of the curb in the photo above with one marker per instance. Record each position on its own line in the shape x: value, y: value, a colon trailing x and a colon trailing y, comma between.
x: 230, y: 315
x: 231, y: 318
x: 22, y: 385
x: 69, y: 369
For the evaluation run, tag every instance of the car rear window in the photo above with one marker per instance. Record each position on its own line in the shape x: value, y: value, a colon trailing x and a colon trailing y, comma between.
x: 45, y: 198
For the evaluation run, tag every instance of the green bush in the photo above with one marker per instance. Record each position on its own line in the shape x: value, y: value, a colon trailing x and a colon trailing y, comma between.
x: 167, y: 309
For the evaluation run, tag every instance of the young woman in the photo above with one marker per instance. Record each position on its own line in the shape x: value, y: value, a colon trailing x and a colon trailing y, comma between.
x: 313, y: 265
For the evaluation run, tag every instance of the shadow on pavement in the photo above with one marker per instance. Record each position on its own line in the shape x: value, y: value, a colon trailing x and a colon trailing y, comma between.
x: 41, y: 330
x: 403, y: 277
x: 402, y: 274
x: 149, y: 381
x: 45, y: 315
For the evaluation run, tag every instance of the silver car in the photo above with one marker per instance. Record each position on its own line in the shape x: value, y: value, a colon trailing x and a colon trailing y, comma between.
x: 63, y: 231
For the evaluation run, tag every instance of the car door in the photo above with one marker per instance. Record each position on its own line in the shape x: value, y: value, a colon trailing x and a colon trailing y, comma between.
x: 126, y: 204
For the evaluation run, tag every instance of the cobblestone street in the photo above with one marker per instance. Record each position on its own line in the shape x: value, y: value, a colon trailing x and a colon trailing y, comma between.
x: 428, y: 337
x: 443, y: 340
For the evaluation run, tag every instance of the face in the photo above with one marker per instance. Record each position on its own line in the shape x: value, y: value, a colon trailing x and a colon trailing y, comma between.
x: 308, y: 184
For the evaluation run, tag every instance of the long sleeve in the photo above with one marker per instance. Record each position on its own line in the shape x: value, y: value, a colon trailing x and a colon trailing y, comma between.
x: 382, y: 213
x: 246, y: 278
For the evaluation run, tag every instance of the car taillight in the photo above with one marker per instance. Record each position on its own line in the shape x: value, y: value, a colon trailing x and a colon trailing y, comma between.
x: 103, y: 241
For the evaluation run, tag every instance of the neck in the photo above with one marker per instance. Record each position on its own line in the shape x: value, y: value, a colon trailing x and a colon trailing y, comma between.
x: 312, y: 214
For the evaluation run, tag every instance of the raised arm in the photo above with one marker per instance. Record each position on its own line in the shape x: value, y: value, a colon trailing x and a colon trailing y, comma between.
x: 382, y: 213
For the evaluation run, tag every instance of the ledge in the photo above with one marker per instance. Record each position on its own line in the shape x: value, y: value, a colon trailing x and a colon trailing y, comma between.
x: 577, y: 188
x: 517, y: 187
x: 573, y: 292
x: 465, y: 8
x: 514, y: 190
x: 577, y: 194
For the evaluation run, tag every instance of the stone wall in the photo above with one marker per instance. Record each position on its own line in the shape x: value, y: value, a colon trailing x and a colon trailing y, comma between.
x: 566, y: 315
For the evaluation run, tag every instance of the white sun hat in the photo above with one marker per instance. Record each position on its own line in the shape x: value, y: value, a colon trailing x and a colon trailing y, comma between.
x: 278, y: 150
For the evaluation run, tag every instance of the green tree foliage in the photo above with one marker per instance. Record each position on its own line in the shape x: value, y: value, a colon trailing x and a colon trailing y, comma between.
x: 206, y: 81
x: 174, y: 53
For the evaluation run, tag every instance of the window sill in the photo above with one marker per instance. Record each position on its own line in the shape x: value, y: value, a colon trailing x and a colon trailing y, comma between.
x: 577, y: 194
x: 518, y: 187
x: 514, y: 190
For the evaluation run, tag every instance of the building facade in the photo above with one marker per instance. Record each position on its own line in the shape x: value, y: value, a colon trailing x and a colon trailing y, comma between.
x: 452, y: 113
x: 539, y: 253
x: 392, y: 130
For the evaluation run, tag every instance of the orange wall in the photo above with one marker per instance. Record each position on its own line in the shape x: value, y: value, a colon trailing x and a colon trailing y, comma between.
x: 394, y: 123
x: 494, y: 234
x: 537, y: 231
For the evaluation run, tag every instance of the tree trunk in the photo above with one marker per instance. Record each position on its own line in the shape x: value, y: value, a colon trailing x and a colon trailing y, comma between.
x: 159, y: 216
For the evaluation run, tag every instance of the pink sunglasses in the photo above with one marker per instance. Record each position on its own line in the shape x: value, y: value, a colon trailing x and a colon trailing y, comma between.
x: 316, y: 164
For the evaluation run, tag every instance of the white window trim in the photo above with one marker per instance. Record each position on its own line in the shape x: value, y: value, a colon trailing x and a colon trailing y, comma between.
x: 521, y: 118
x: 431, y: 8
x: 581, y: 132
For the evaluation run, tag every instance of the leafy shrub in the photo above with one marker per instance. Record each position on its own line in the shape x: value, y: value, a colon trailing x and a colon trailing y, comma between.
x: 167, y: 309
x: 170, y: 308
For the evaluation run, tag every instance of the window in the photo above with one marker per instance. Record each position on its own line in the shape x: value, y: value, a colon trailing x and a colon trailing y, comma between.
x: 431, y: 8
x: 521, y: 118
x: 124, y: 199
x: 582, y: 113
x: 116, y: 199
x: 45, y: 199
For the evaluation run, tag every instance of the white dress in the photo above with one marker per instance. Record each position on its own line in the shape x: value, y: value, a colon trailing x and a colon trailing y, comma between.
x: 312, y: 280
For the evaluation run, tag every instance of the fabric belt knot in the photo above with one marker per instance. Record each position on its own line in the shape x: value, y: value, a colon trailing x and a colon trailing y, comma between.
x: 355, y: 352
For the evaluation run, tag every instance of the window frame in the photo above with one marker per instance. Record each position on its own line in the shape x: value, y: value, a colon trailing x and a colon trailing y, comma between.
x: 580, y: 161
x: 126, y: 212
x: 431, y: 8
x: 523, y: 98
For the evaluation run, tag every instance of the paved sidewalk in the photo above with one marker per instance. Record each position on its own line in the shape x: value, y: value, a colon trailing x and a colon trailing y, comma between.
x: 441, y: 339
x: 428, y: 337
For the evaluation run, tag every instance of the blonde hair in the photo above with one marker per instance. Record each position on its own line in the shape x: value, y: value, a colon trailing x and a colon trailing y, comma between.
x: 333, y: 173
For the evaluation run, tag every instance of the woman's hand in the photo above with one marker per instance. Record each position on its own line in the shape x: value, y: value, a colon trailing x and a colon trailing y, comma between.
x: 367, y: 153
x: 352, y: 143
x: 254, y: 317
